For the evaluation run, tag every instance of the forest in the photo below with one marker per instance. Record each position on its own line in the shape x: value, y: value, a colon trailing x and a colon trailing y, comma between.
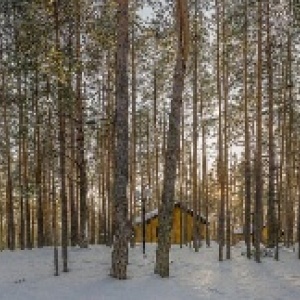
x: 116, y: 112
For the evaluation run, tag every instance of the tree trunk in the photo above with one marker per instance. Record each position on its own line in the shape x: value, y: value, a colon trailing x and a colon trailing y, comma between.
x: 221, y: 237
x: 225, y: 64
x: 258, y: 159
x: 298, y: 224
x: 38, y: 169
x: 133, y: 132
x: 247, y: 229
x: 183, y: 227
x: 20, y: 157
x: 205, y: 183
x: 62, y: 148
x: 83, y: 242
x: 196, y: 236
x: 29, y: 241
x: 72, y: 188
x: 9, y: 185
x: 122, y: 232
x: 155, y: 127
x: 54, y: 216
x: 289, y: 137
x: 173, y: 144
x: 271, y: 218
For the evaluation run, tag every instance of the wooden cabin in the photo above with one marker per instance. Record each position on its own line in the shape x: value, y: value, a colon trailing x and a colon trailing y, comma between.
x: 238, y: 235
x: 182, y: 225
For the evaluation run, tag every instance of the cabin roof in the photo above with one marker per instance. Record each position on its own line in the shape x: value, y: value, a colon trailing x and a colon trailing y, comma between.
x: 148, y: 216
x: 154, y: 213
x: 240, y: 229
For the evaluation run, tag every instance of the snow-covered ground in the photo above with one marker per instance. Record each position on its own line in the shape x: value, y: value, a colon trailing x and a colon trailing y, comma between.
x: 28, y: 275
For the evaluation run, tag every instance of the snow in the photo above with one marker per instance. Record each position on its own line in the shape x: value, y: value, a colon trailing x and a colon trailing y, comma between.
x: 28, y: 275
x: 240, y: 230
x: 148, y: 216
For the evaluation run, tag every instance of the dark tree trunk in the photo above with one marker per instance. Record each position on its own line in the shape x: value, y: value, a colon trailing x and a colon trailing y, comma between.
x: 258, y: 158
x: 72, y: 196
x: 171, y: 157
x: 196, y: 207
x: 122, y: 232
x: 225, y: 64
x: 298, y: 224
x: 247, y: 141
x: 271, y: 218
x: 80, y: 136
x: 173, y: 144
x: 221, y: 224
x: 21, y: 168
x: 133, y: 131
x: 38, y: 170
x: 9, y: 185
x: 62, y: 148
x: 29, y: 240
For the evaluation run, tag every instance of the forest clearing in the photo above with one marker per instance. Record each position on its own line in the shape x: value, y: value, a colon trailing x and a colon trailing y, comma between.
x: 143, y: 142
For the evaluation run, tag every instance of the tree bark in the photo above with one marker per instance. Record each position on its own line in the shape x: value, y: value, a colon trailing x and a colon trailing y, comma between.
x: 62, y: 147
x: 133, y: 131
x: 247, y: 140
x: 83, y: 242
x: 173, y: 144
x: 221, y: 224
x: 196, y: 236
x: 258, y: 159
x: 10, y: 217
x: 38, y: 169
x: 271, y: 218
x: 122, y: 232
x: 224, y: 163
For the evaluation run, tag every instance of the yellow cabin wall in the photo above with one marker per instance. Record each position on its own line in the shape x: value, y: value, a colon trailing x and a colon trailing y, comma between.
x: 264, y: 235
x: 237, y: 237
x: 152, y: 225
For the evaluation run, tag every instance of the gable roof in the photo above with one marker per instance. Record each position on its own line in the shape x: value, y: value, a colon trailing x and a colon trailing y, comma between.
x: 148, y: 216
x: 240, y: 229
x: 154, y: 213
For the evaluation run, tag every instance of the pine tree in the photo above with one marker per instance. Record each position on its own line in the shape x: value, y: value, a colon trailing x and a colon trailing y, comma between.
x: 173, y: 142
x: 258, y: 154
x: 122, y: 231
x: 247, y: 137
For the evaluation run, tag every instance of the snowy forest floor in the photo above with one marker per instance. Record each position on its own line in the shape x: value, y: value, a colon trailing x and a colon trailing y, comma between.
x: 28, y: 275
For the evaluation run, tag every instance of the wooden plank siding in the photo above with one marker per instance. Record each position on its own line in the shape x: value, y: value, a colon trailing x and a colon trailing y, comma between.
x: 187, y: 226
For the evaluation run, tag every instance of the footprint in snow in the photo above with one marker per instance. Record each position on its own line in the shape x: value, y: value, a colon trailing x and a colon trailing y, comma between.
x: 19, y: 280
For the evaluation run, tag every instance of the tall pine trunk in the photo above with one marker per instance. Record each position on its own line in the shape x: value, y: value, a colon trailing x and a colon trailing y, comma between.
x: 80, y: 135
x: 62, y: 147
x: 133, y: 132
x: 10, y: 217
x: 224, y: 163
x: 173, y: 144
x: 247, y: 139
x: 196, y: 207
x: 258, y: 158
x: 38, y: 169
x: 221, y: 212
x: 271, y: 218
x: 122, y: 232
